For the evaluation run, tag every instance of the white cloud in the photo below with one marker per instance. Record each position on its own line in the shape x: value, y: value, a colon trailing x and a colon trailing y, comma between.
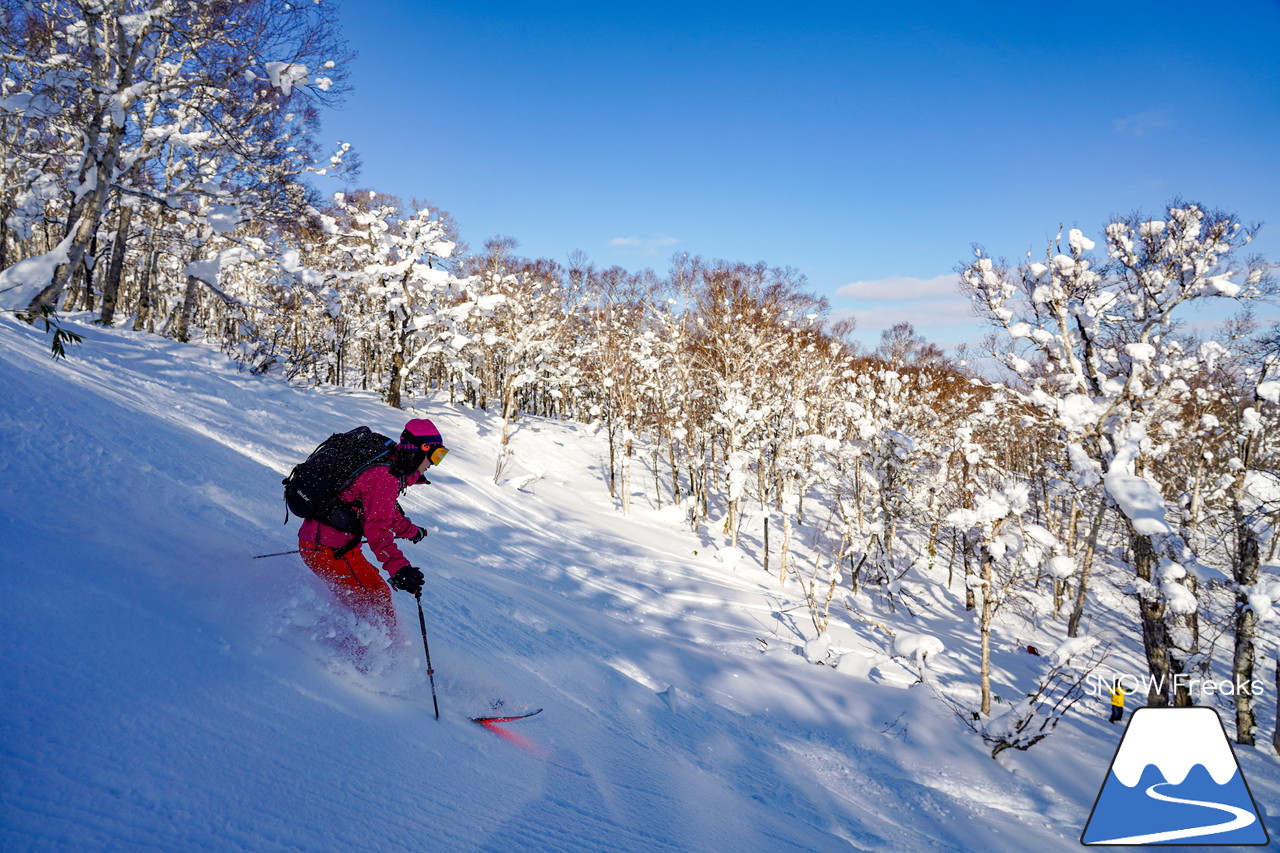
x: 1140, y: 124
x: 898, y: 288
x: 945, y: 322
x: 935, y: 306
x: 645, y: 245
x: 921, y: 313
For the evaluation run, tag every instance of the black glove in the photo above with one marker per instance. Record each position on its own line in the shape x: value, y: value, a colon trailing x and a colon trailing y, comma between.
x: 409, y: 579
x: 419, y: 536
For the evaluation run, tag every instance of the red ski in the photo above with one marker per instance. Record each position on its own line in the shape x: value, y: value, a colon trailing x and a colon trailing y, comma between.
x: 506, y: 719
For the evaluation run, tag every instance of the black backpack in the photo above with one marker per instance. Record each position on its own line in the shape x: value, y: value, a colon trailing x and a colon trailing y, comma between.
x: 311, y: 490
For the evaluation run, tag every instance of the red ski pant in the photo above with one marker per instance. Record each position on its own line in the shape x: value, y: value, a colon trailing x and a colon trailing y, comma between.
x: 354, y: 582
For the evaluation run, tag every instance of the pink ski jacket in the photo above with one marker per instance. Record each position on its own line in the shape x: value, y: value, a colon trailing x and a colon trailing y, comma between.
x: 376, y: 490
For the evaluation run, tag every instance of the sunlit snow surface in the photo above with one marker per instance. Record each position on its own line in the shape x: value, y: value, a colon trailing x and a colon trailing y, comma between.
x: 162, y: 690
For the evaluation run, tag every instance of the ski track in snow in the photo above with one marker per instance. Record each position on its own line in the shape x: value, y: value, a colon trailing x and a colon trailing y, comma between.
x: 165, y: 691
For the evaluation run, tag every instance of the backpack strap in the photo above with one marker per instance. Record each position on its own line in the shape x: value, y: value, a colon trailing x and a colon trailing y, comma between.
x: 285, y: 482
x: 366, y: 466
x: 339, y: 553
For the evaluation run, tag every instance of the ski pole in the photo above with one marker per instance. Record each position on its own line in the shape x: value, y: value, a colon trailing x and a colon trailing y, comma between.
x: 431, y: 673
x: 281, y: 554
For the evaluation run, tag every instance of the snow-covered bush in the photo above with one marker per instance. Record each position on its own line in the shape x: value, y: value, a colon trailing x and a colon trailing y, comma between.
x: 1034, y: 716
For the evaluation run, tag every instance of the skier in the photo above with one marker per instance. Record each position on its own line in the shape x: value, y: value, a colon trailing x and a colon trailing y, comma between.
x: 336, y: 556
x: 1117, y: 702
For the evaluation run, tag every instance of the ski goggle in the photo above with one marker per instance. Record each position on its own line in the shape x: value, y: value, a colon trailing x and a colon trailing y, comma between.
x: 435, y: 453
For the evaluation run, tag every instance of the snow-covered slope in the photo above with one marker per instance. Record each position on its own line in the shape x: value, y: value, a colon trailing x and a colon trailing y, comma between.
x: 163, y: 690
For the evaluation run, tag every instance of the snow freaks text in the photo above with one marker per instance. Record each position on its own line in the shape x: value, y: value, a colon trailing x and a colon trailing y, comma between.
x: 1100, y: 684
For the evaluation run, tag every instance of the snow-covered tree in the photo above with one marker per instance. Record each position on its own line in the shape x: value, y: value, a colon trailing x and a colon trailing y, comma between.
x: 198, y: 108
x: 524, y: 319
x: 610, y: 364
x: 1095, y: 349
x: 745, y: 318
x: 397, y: 279
x: 1009, y: 550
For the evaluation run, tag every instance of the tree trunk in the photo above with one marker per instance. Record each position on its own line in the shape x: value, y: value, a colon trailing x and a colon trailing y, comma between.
x: 99, y: 166
x: 766, y: 544
x: 79, y: 294
x: 182, y: 324
x: 970, y: 602
x: 111, y: 284
x: 4, y: 236
x: 611, y: 432
x: 79, y: 235
x: 628, y: 449
x: 1246, y: 625
x: 1165, y: 688
x: 984, y: 629
x: 395, y: 383
x: 1275, y: 737
x: 676, y: 495
x: 951, y: 563
x: 1086, y: 568
x: 785, y: 550
x: 143, y: 319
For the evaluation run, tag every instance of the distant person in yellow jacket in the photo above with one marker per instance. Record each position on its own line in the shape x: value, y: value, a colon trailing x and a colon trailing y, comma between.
x: 1117, y: 702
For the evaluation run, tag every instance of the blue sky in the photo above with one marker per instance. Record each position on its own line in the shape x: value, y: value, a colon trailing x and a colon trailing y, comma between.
x: 865, y: 144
